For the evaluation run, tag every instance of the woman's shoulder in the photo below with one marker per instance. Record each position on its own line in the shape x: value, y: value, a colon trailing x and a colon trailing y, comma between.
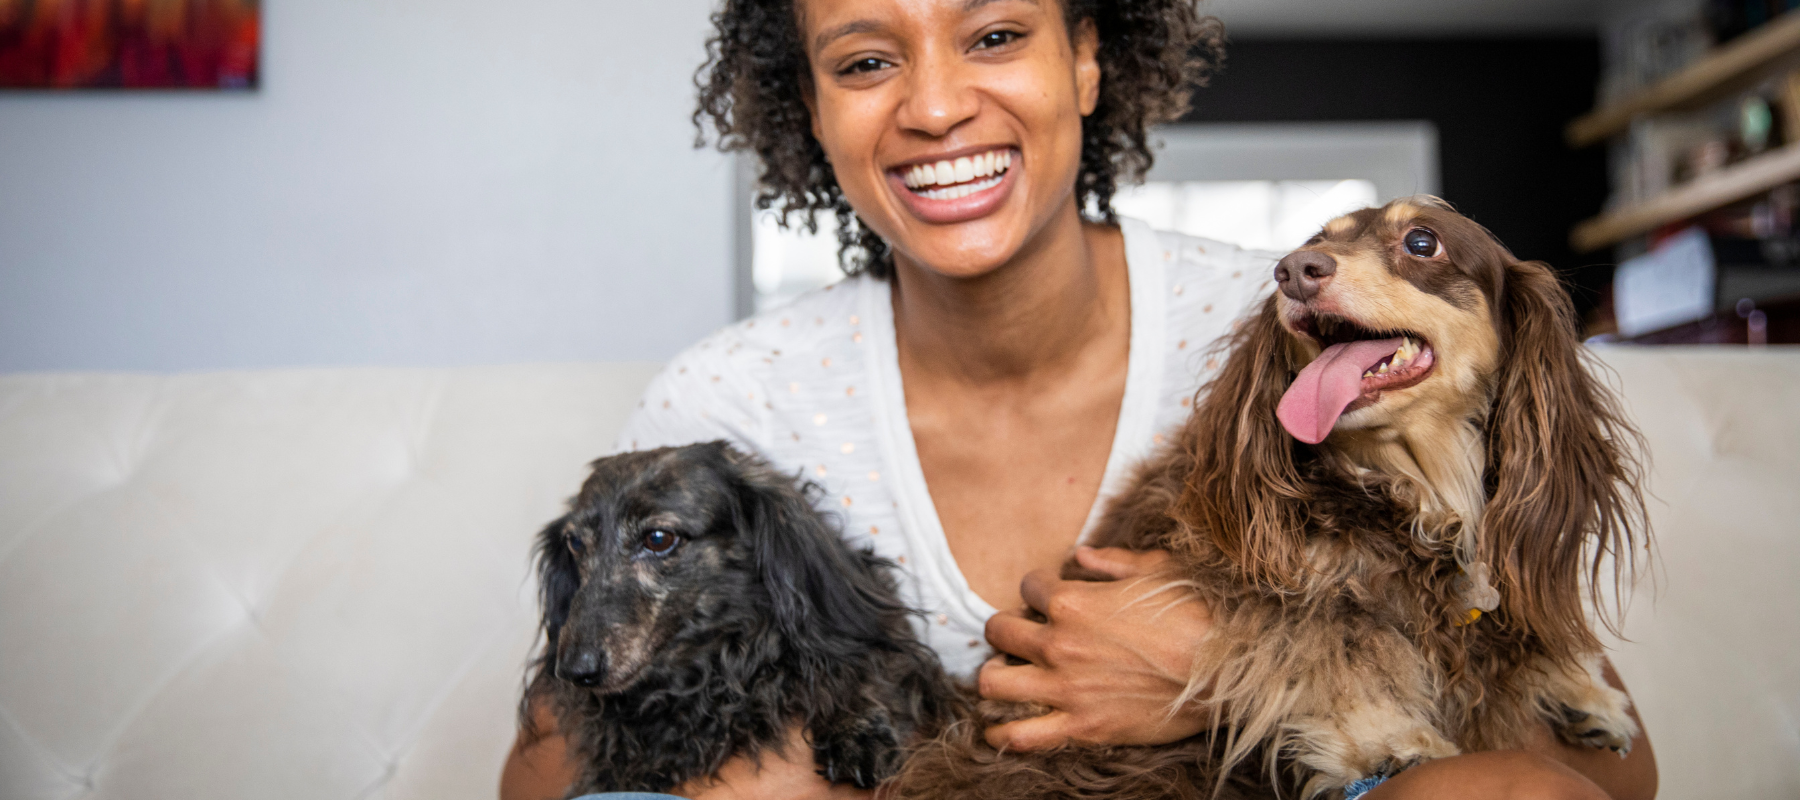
x: 752, y: 346
x: 722, y: 385
x: 1207, y: 282
x: 1200, y: 257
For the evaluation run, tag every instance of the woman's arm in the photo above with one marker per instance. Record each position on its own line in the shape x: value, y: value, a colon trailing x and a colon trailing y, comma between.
x: 1546, y: 768
x: 1630, y: 778
x: 539, y: 769
x: 1112, y: 662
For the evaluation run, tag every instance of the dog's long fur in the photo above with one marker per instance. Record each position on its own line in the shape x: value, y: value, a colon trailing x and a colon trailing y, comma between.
x: 759, y: 617
x: 1335, y: 572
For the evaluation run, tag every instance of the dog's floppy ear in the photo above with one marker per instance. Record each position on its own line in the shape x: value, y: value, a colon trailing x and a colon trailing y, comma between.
x: 1562, y: 471
x: 816, y: 586
x: 1243, y: 491
x: 558, y: 579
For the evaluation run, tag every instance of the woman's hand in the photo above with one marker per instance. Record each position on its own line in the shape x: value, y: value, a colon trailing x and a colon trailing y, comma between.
x: 1110, y: 657
x: 789, y: 774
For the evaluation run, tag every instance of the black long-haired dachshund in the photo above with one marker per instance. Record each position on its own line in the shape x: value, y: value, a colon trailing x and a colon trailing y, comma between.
x: 695, y: 606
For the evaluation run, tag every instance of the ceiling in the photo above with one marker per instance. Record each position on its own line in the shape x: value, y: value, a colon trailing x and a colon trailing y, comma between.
x: 1403, y: 18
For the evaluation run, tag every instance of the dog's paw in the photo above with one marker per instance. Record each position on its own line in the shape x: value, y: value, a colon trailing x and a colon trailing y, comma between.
x: 1586, y: 711
x: 1596, y: 730
x: 862, y: 754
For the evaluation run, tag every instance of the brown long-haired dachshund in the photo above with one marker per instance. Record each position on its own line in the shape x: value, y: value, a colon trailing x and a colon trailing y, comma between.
x: 1391, y: 497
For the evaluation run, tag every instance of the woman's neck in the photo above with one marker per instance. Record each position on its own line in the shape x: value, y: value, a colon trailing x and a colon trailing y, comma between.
x: 1064, y: 296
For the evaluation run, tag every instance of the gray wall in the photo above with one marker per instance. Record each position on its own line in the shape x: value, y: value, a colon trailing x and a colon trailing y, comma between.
x: 418, y: 182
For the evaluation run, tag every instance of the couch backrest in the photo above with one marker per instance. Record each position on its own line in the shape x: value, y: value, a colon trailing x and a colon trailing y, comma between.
x: 305, y: 584
x: 313, y: 584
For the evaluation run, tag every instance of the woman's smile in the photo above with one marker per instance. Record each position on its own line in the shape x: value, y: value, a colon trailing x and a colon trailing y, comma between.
x: 953, y: 187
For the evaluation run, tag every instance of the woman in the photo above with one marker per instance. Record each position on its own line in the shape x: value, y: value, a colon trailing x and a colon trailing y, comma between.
x: 998, y: 360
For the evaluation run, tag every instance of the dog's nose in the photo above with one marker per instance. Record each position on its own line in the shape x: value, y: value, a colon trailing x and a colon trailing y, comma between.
x: 582, y: 669
x: 1303, y: 273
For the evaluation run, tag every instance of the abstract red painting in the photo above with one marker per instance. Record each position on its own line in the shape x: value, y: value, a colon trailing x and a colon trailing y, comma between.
x: 129, y: 44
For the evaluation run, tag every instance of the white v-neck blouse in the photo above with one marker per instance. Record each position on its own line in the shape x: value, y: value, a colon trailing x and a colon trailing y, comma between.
x: 815, y: 388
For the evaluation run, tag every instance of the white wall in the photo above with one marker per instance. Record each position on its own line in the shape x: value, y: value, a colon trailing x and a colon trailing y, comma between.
x: 417, y: 182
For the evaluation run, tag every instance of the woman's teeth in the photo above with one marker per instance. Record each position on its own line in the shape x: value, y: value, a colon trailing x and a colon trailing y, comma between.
x: 1408, y: 351
x: 958, y: 178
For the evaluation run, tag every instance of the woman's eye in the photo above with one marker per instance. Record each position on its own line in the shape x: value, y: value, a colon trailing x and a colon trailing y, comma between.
x: 862, y: 65
x: 660, y: 542
x: 1421, y: 243
x: 996, y: 39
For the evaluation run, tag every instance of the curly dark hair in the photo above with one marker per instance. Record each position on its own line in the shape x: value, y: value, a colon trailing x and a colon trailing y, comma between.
x: 752, y: 92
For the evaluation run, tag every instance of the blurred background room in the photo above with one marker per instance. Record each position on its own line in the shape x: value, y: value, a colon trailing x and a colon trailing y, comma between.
x: 312, y: 312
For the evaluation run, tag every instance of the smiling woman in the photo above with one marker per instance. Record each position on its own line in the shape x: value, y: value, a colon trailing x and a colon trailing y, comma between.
x: 1004, y: 353
x: 759, y: 88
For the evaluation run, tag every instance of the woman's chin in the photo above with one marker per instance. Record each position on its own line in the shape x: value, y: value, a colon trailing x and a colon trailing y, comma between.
x: 959, y: 256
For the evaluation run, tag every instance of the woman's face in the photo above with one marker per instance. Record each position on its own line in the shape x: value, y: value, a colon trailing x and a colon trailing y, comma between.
x: 953, y: 126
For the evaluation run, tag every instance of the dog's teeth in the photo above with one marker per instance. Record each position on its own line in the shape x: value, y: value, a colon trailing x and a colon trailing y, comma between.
x: 1369, y: 374
x: 1381, y: 370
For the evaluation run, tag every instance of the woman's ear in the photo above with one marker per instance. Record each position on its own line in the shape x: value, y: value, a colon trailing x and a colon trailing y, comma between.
x: 1562, y: 471
x: 1085, y: 42
x: 1243, y: 491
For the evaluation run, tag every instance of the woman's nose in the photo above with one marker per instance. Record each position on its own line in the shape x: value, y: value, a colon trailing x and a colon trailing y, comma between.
x: 939, y: 97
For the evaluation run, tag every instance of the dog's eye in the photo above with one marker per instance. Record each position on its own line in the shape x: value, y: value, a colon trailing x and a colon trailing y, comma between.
x: 660, y: 541
x: 1421, y: 243
x: 575, y: 545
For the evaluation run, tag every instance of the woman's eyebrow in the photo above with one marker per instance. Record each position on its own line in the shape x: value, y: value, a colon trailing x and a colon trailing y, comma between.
x: 859, y: 26
x: 868, y: 25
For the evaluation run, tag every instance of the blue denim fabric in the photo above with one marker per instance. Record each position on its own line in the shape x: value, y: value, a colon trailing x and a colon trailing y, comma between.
x: 1354, y: 791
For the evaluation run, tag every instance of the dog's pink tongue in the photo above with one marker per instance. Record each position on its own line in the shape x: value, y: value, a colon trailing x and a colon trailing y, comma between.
x: 1318, y: 397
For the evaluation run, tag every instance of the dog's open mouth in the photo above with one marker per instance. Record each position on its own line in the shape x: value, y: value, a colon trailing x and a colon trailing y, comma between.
x: 1355, y: 367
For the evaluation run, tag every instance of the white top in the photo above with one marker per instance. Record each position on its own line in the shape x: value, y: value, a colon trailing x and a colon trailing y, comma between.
x: 815, y: 387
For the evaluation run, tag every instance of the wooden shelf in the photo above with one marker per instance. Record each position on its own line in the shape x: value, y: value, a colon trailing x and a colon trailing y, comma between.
x: 1772, y: 48
x: 1729, y: 185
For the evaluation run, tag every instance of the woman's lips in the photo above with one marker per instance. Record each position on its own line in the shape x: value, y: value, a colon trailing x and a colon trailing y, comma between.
x: 991, y: 192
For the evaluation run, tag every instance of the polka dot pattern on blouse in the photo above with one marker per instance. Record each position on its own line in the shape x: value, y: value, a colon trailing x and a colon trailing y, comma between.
x: 814, y: 387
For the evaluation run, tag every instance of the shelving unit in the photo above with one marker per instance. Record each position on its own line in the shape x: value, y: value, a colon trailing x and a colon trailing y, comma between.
x: 1770, y: 50
x: 1744, y: 179
x: 1773, y: 48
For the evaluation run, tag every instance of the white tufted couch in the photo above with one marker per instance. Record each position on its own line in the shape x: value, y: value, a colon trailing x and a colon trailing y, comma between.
x: 313, y: 584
